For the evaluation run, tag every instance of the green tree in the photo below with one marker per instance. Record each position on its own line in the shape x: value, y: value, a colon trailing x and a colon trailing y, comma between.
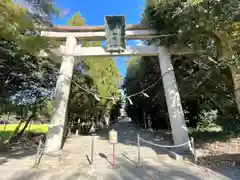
x: 204, y: 75
x: 201, y: 88
x: 23, y: 76
x: 203, y: 29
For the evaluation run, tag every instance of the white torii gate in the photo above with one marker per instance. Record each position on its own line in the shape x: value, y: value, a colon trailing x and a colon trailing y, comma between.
x: 71, y: 49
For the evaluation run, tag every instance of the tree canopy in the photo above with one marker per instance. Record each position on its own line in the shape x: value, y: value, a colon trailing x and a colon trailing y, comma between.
x: 26, y: 80
x: 205, y: 35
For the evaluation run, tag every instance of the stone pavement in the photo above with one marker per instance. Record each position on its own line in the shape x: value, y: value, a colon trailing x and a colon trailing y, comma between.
x: 72, y: 162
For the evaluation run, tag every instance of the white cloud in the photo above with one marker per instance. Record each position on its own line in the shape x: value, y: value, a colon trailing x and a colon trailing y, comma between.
x: 139, y: 42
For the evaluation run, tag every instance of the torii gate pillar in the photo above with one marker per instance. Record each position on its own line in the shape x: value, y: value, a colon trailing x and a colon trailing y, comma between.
x: 59, y: 115
x: 175, y: 111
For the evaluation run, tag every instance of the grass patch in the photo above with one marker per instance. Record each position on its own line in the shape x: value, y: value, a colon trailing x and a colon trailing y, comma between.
x: 209, y: 136
x: 35, y: 128
x: 222, y: 130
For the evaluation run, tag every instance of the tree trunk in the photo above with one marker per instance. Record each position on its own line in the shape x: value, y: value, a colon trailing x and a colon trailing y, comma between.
x: 106, y: 120
x: 235, y: 71
x: 25, y: 126
x: 78, y: 125
x: 5, y: 125
x: 29, y: 127
x: 34, y: 110
x: 144, y: 120
x: 6, y: 122
x: 15, y: 131
x: 17, y: 128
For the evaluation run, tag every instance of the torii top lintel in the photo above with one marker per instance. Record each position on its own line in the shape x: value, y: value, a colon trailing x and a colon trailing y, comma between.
x: 92, y: 28
x: 133, y: 31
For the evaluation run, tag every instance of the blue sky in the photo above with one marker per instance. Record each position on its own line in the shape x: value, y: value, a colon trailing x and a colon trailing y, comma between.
x: 94, y: 11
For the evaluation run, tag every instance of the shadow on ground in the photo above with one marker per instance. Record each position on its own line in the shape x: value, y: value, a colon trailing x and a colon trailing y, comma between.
x: 127, y: 165
x: 16, y: 154
x: 127, y: 134
x: 226, y: 164
x: 125, y: 171
x: 22, y: 148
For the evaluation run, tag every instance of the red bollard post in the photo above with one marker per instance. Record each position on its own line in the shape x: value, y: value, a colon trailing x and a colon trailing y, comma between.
x: 113, y: 140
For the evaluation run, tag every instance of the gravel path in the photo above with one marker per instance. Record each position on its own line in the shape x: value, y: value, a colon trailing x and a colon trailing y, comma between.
x: 72, y: 162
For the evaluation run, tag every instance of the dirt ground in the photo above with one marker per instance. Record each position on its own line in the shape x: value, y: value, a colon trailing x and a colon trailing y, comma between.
x: 74, y: 161
x: 220, y: 155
